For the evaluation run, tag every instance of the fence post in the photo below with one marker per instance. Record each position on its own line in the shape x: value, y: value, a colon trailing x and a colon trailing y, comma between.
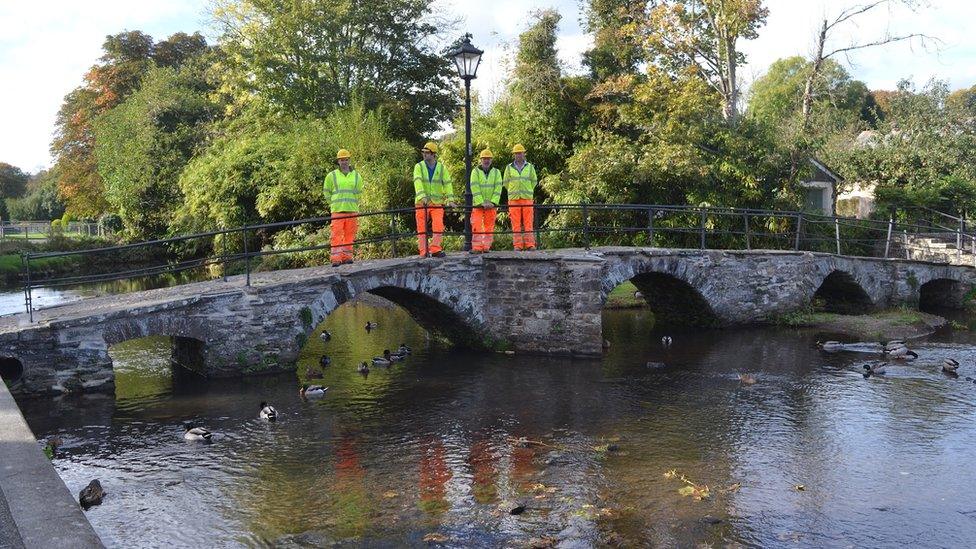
x: 650, y: 226
x: 745, y: 220
x: 393, y: 235
x: 223, y: 253
x: 701, y: 230
x: 25, y: 258
x: 891, y: 224
x: 586, y: 227
x: 247, y: 258
x: 959, y: 242
x: 799, y: 229
x: 905, y: 243
x: 837, y: 234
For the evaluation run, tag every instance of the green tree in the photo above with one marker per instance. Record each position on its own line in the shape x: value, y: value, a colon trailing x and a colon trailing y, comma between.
x: 307, y: 58
x: 143, y: 144
x: 41, y: 201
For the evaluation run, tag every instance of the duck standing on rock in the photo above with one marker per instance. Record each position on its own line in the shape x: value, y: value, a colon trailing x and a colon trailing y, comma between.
x: 91, y: 495
x: 950, y: 365
x: 197, y: 434
x: 268, y: 412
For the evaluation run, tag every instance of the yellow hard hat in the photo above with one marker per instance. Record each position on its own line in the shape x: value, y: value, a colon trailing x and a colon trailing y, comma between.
x: 431, y: 147
x: 486, y: 154
x: 343, y: 153
x: 518, y: 148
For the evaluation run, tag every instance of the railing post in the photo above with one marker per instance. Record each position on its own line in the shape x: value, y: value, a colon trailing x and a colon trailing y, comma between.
x: 837, y: 234
x: 959, y: 242
x: 745, y: 220
x: 393, y: 235
x: 28, y: 302
x: 247, y: 258
x: 891, y: 224
x: 974, y: 250
x: 586, y: 227
x: 223, y: 253
x: 799, y: 229
x: 701, y: 230
x: 650, y: 226
x: 905, y: 243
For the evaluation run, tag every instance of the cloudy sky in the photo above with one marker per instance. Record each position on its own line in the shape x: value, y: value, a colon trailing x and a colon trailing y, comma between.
x: 47, y: 45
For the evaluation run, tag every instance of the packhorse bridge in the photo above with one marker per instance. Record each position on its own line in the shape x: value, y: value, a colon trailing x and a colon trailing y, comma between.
x: 539, y: 302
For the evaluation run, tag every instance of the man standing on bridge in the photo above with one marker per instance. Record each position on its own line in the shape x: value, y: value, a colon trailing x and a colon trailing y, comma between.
x: 486, y: 191
x: 520, y: 179
x: 433, y: 189
x: 342, y: 188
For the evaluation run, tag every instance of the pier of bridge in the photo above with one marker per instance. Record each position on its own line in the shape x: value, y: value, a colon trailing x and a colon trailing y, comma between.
x: 546, y: 302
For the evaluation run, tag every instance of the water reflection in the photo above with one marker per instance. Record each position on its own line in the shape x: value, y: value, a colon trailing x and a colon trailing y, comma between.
x: 448, y: 443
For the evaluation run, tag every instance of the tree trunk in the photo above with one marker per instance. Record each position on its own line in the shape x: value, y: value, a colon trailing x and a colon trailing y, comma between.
x: 814, y: 72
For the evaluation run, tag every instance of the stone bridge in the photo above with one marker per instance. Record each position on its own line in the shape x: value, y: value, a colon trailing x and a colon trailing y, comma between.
x: 539, y: 302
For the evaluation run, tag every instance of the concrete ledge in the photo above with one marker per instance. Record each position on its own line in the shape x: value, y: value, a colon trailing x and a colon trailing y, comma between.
x: 42, y: 513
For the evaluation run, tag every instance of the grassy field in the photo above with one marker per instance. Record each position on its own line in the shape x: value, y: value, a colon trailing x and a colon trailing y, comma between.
x: 622, y: 297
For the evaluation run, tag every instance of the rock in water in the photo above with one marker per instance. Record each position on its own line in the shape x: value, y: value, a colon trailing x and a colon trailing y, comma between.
x: 91, y: 495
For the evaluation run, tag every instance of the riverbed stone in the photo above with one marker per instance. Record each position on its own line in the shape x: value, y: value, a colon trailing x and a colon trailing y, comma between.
x: 547, y: 302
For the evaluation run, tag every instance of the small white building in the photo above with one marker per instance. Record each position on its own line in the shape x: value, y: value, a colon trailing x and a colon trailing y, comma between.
x: 820, y: 189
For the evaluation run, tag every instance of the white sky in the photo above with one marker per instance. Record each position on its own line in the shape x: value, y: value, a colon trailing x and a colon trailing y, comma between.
x: 47, y: 45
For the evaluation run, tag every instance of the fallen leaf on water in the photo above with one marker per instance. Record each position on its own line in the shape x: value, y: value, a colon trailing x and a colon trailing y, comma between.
x: 435, y: 538
x: 390, y: 494
x: 672, y: 473
x: 686, y: 490
x: 601, y: 448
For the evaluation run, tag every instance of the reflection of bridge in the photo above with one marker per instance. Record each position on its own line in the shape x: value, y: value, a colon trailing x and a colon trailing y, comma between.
x: 544, y: 302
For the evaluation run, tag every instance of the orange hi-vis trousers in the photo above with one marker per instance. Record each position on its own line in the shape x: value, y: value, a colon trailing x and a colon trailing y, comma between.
x: 523, y: 235
x: 344, y: 226
x: 436, y: 214
x: 482, y: 228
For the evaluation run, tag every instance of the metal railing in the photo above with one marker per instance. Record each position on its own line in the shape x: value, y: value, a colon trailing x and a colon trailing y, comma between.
x: 241, y: 249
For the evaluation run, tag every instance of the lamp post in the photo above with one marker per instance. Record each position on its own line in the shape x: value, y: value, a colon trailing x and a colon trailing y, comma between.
x: 467, y: 58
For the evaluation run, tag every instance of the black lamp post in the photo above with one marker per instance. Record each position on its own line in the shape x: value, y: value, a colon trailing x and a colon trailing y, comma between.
x: 467, y: 58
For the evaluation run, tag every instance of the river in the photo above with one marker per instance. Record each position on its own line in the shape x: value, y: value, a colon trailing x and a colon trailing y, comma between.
x: 445, y: 444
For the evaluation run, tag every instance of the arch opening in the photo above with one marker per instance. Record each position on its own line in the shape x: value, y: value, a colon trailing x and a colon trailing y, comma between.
x: 941, y: 293
x: 673, y: 301
x: 840, y: 293
x: 434, y: 316
x: 11, y: 370
x: 150, y: 365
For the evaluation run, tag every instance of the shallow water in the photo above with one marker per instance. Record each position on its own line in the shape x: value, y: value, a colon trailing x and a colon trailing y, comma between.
x: 434, y: 445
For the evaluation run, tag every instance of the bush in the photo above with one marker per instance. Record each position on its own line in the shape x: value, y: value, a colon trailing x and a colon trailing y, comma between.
x: 110, y: 222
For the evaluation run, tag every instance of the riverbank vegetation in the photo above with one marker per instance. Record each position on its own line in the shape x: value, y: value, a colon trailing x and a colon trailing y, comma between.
x: 886, y: 325
x: 179, y: 134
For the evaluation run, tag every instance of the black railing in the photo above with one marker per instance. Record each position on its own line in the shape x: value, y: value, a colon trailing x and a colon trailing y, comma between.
x: 235, y: 250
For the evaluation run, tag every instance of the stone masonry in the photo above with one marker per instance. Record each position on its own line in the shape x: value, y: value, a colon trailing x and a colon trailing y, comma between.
x: 539, y: 302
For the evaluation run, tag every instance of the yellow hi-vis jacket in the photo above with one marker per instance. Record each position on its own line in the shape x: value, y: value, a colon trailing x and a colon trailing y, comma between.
x: 342, y: 190
x: 486, y: 188
x: 438, y: 189
x: 520, y: 185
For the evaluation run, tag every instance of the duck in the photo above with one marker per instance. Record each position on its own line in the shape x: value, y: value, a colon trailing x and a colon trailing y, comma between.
x: 877, y: 369
x: 363, y: 368
x: 384, y: 360
x: 898, y: 351
x: 830, y: 346
x: 268, y: 412
x: 370, y: 325
x: 747, y: 379
x: 325, y: 361
x: 197, y: 433
x: 666, y: 341
x: 312, y: 391
x: 325, y: 335
x: 403, y: 349
x: 91, y: 495
x: 950, y: 365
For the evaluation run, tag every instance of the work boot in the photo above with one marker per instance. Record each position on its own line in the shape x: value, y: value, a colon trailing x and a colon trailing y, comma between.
x: 347, y: 261
x: 336, y: 263
x: 439, y: 254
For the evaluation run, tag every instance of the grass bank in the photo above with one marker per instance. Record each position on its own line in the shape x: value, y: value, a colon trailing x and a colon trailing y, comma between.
x: 622, y: 297
x: 900, y: 323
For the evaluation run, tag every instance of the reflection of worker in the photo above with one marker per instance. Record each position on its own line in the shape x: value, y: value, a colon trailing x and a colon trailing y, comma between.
x: 520, y: 180
x: 484, y: 474
x: 433, y: 478
x: 342, y: 188
x: 433, y: 188
x: 486, y: 191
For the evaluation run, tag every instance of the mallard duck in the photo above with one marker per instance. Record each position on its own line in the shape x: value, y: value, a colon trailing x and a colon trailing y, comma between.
x: 312, y: 391
x: 371, y: 325
x: 875, y: 369
x: 268, y: 412
x: 384, y: 360
x: 363, y: 368
x: 197, y: 433
x: 950, y: 365
x: 899, y: 351
x: 666, y: 341
x: 91, y: 495
x: 403, y: 349
x: 747, y: 379
x: 325, y: 361
x: 830, y: 346
x: 325, y: 335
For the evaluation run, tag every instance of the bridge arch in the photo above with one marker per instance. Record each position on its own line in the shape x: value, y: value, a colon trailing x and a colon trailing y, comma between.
x: 941, y: 293
x: 840, y: 292
x: 674, y: 300
x: 11, y: 369
x: 186, y: 335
